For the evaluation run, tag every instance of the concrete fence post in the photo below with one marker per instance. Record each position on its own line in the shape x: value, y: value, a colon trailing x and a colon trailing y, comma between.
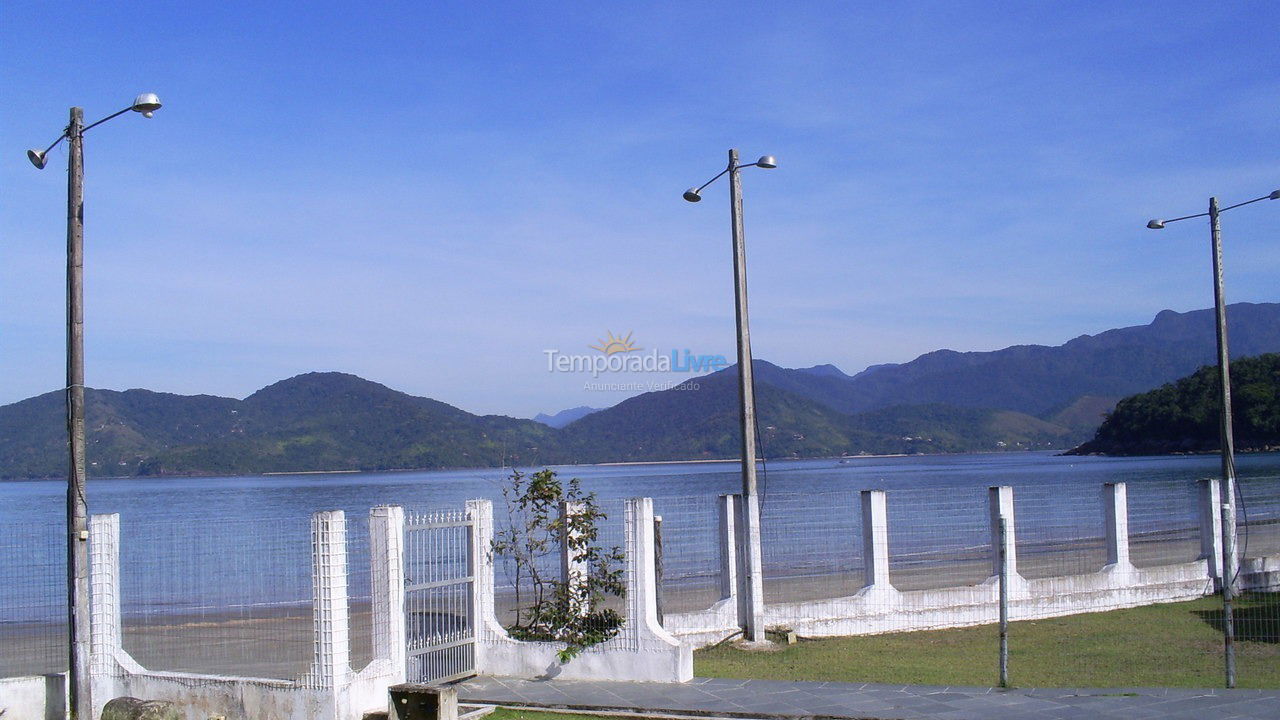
x: 1210, y: 494
x: 488, y: 629
x: 875, y: 538
x: 573, y: 572
x: 1000, y: 500
x: 331, y: 664
x: 104, y: 581
x: 642, y: 594
x: 751, y: 567
x: 386, y: 572
x: 1115, y: 510
x: 728, y: 510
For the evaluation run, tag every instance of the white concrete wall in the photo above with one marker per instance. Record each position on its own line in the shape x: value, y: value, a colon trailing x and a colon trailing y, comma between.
x: 36, y: 697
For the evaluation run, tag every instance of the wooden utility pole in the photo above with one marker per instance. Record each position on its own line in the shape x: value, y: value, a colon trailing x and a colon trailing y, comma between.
x: 751, y: 545
x: 1002, y: 558
x: 81, y: 705
x: 1227, y: 440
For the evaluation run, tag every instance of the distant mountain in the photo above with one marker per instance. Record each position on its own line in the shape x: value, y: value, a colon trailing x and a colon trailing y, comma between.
x: 564, y: 417
x: 317, y: 421
x: 700, y: 421
x: 827, y: 370
x: 1071, y: 384
x: 335, y: 421
x: 1020, y: 397
x: 1182, y: 417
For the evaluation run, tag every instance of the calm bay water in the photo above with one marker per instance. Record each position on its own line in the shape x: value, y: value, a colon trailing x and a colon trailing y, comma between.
x: 200, y: 542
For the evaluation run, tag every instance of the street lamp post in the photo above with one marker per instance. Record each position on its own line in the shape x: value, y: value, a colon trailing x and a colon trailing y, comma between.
x: 752, y: 602
x: 1225, y: 436
x: 80, y: 703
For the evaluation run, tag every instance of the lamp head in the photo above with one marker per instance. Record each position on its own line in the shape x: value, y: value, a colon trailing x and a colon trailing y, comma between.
x: 1156, y: 224
x: 768, y: 162
x: 1275, y: 195
x: 146, y: 103
x: 692, y: 195
x: 37, y: 158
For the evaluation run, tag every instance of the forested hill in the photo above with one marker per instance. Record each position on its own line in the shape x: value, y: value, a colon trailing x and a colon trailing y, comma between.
x: 335, y: 421
x: 1022, y: 397
x: 1182, y: 417
x: 316, y: 421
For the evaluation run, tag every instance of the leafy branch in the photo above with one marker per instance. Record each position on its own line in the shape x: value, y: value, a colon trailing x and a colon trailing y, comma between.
x: 548, y: 607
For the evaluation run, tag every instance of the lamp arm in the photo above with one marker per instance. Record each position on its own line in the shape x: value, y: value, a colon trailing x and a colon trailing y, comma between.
x: 1246, y: 202
x: 1185, y: 217
x: 109, y: 117
x: 54, y: 144
x: 717, y: 177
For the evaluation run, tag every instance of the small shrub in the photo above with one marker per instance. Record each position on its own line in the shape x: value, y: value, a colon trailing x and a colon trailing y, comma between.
x: 549, y: 608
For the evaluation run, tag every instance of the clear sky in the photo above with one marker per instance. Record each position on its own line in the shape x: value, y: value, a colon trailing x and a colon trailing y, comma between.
x: 430, y: 195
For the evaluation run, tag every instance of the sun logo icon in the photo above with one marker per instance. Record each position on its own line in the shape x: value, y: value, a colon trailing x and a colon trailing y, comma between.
x: 615, y: 345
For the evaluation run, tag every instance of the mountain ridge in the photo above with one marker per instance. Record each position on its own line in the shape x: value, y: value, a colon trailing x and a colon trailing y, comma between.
x: 1020, y: 397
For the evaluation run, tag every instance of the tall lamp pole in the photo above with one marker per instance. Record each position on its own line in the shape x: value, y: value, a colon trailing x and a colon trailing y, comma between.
x: 1226, y: 438
x: 753, y: 597
x: 80, y: 702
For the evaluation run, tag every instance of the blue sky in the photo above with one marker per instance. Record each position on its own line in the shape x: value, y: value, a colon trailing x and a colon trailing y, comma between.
x: 432, y: 194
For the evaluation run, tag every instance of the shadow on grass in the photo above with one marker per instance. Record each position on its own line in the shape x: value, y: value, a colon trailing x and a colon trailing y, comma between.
x: 1255, y: 617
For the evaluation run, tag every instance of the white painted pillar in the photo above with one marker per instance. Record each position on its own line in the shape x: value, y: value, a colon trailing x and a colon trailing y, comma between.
x: 386, y: 572
x: 751, y: 572
x: 728, y: 509
x: 1115, y: 510
x: 1000, y: 500
x: 104, y: 607
x: 573, y: 572
x: 1210, y: 492
x: 488, y: 629
x: 331, y: 664
x: 875, y: 538
x: 642, y: 594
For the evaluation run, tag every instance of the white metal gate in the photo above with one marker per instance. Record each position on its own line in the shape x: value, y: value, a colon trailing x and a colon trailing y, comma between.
x: 440, y: 607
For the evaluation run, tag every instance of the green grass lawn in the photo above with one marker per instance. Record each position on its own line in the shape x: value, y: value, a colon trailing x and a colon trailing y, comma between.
x: 1173, y: 645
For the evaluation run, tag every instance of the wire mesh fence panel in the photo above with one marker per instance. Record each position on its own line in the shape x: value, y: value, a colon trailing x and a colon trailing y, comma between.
x: 223, y: 596
x: 1258, y: 517
x: 812, y: 545
x: 33, y: 599
x: 1164, y: 522
x: 1059, y: 530
x: 690, y: 561
x: 612, y: 537
x: 359, y: 591
x: 938, y: 540
x: 1256, y: 611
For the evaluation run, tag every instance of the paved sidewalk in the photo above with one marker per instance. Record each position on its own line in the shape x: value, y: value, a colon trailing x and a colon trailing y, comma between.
x: 776, y: 699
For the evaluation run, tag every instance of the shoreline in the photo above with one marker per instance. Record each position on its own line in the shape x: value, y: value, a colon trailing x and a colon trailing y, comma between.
x: 616, y: 463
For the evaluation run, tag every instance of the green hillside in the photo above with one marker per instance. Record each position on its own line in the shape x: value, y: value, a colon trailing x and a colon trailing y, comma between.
x: 1182, y: 417
x: 334, y: 421
x: 317, y: 421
